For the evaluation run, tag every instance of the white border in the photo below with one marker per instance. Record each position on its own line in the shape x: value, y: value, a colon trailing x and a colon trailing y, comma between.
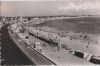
x: 32, y: 0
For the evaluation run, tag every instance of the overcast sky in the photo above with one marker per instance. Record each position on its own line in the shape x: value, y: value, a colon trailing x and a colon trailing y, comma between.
x: 41, y: 8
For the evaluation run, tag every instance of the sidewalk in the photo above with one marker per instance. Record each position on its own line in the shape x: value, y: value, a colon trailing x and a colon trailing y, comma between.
x: 60, y: 58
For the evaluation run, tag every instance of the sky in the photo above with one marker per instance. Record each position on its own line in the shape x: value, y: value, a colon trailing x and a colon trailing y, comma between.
x: 49, y: 7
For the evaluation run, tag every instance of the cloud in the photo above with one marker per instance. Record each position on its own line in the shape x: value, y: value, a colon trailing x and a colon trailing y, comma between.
x: 77, y: 7
x: 5, y: 9
x: 81, y: 7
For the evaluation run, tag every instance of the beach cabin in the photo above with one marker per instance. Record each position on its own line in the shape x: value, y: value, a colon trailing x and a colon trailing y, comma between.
x: 95, y: 59
x: 38, y: 47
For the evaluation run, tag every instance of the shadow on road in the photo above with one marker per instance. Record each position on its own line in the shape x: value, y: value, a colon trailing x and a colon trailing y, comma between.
x: 10, y: 52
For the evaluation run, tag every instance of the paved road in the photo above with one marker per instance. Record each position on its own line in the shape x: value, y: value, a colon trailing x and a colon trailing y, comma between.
x: 36, y: 57
x: 11, y: 53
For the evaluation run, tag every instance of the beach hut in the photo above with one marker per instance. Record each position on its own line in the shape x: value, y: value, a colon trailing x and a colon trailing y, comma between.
x: 38, y: 47
x: 95, y: 59
x: 79, y: 53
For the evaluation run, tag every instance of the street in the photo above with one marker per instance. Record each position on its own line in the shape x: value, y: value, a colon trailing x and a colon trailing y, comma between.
x: 10, y: 52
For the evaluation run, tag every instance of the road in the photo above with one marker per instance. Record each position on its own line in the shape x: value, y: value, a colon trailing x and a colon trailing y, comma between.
x: 10, y: 52
x: 36, y: 57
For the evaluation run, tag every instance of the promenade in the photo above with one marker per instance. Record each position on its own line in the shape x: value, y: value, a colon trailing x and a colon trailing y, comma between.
x: 10, y: 52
